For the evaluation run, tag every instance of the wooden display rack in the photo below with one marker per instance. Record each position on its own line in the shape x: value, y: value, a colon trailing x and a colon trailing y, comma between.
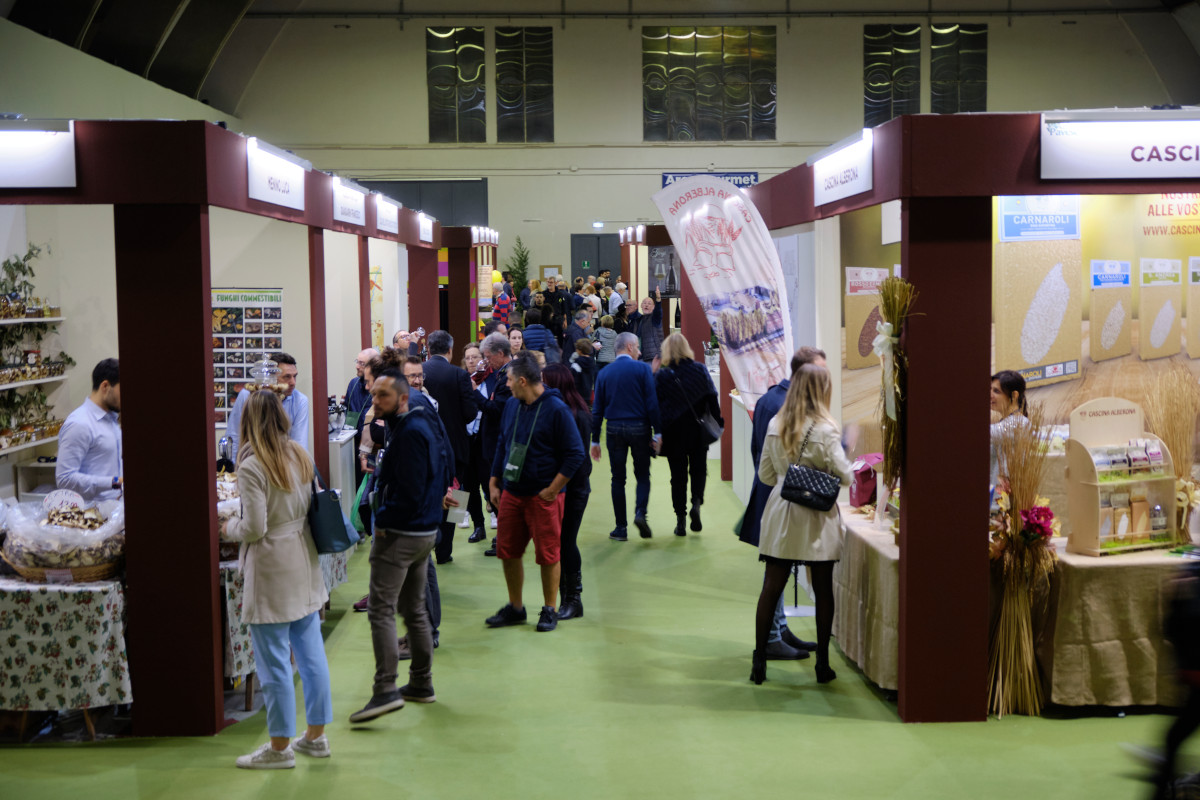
x: 1112, y: 422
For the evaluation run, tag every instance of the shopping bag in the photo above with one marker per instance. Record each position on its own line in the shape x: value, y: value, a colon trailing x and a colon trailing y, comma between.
x: 355, y: 516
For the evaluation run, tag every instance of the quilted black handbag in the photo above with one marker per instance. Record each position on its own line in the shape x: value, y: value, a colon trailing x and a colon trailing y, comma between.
x: 809, y: 486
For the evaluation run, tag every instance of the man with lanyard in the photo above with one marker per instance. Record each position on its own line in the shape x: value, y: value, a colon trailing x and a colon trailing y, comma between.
x: 295, y: 405
x: 497, y: 352
x: 89, y: 444
x: 538, y: 453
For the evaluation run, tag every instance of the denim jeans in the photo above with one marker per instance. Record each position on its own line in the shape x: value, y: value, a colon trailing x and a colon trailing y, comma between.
x: 629, y: 438
x: 273, y: 647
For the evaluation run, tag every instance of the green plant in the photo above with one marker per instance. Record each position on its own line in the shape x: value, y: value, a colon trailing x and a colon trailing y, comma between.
x: 18, y: 273
x: 517, y: 266
x: 64, y: 359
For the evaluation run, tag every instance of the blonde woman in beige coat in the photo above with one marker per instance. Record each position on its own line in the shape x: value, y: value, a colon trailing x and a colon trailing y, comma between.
x: 284, y: 590
x: 792, y: 533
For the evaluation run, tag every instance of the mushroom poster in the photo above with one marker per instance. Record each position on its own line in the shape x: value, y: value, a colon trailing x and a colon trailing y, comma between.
x: 246, y: 323
x: 725, y: 251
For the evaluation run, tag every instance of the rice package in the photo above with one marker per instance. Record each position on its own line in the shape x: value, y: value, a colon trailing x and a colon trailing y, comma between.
x: 1039, y: 309
x: 862, y: 315
x: 1160, y: 307
x: 1112, y: 309
x: 1192, y: 329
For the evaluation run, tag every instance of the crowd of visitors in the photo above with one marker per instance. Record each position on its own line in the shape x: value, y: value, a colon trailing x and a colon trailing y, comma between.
x: 508, y: 423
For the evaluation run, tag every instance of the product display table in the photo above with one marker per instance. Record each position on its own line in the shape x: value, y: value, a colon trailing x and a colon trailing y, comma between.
x: 1103, y: 643
x: 62, y: 646
x: 866, y: 596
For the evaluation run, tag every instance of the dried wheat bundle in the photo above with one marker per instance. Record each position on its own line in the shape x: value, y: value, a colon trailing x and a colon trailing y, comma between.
x: 896, y: 297
x: 1172, y: 405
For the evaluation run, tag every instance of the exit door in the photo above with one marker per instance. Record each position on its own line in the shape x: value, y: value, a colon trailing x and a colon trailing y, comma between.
x: 592, y: 252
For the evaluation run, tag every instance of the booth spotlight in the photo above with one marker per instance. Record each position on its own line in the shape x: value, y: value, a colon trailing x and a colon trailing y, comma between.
x: 641, y: 234
x: 598, y: 224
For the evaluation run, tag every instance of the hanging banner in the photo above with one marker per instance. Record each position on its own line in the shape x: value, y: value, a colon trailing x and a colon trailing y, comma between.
x: 726, y: 251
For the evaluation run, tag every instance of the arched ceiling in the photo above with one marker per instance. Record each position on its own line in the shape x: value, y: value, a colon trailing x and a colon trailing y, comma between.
x: 210, y: 49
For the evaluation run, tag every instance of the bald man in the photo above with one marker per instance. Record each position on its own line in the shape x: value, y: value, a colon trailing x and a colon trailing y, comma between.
x: 357, y: 396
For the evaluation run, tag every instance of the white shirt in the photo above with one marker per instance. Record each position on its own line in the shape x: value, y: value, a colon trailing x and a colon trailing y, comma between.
x: 295, y: 405
x: 89, y: 452
x: 614, y: 302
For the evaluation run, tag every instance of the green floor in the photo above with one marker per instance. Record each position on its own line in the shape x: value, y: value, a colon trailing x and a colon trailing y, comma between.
x: 646, y: 696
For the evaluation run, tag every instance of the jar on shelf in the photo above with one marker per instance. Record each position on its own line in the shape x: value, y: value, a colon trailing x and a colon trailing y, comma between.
x: 33, y: 308
x: 53, y: 309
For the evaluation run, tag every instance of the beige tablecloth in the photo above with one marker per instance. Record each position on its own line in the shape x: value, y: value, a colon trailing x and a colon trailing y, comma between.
x: 1102, y: 642
x: 866, y: 595
x: 1104, y: 639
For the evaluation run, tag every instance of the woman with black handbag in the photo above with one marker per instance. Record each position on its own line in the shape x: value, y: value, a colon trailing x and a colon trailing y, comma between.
x: 803, y: 459
x: 691, y: 417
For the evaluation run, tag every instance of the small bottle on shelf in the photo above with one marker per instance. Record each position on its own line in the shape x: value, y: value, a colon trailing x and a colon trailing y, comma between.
x: 1158, y: 519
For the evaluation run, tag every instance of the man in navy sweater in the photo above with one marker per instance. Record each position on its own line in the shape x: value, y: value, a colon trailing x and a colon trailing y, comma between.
x: 625, y: 395
x: 412, y: 477
x: 538, y: 453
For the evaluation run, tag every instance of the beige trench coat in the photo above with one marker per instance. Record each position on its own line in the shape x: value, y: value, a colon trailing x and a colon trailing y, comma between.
x: 278, y: 558
x: 789, y: 530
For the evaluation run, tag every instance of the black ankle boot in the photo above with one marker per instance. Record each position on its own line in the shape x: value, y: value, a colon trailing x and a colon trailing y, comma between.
x: 824, y: 672
x: 680, y: 521
x: 570, y: 589
x: 758, y: 667
x: 696, y: 526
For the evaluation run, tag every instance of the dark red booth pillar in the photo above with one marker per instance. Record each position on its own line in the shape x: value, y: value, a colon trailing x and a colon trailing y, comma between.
x: 947, y: 250
x: 167, y: 420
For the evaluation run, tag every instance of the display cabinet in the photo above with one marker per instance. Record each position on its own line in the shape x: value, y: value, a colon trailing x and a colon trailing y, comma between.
x: 1120, y: 481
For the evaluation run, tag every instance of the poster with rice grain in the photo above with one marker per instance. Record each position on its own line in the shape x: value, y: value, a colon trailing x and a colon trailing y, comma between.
x: 1160, y: 307
x: 1038, y: 309
x: 1193, y: 308
x: 862, y: 315
x: 1112, y: 309
x: 246, y: 323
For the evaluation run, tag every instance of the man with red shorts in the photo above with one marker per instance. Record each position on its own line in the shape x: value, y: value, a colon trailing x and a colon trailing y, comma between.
x: 537, y: 453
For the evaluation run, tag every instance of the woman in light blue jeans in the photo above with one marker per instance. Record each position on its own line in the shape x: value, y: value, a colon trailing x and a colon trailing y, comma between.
x: 284, y: 590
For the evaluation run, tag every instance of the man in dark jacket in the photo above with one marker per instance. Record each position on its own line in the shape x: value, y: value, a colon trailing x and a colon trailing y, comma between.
x: 497, y: 351
x: 539, y: 452
x: 560, y: 305
x: 625, y: 395
x: 410, y: 493
x: 646, y: 322
x: 457, y: 405
x: 782, y: 644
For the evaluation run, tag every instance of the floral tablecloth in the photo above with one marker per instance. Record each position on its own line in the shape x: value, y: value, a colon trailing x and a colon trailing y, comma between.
x: 239, y: 652
x: 333, y: 568
x: 62, y: 647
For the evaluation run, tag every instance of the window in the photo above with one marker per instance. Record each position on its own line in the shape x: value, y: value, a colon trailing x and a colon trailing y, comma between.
x: 525, y: 84
x: 891, y: 72
x: 454, y: 62
x: 708, y: 84
x: 958, y: 68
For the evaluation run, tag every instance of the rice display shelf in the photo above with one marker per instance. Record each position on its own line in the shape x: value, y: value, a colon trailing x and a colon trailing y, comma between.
x: 1099, y: 528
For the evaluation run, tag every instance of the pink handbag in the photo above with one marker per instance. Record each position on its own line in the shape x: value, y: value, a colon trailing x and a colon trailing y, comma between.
x: 862, y: 487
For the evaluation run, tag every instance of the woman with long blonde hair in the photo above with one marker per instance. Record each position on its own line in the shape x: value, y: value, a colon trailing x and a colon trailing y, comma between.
x: 284, y: 590
x: 803, y: 432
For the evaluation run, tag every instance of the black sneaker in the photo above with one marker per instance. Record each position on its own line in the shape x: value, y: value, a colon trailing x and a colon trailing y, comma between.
x: 416, y: 695
x: 491, y: 551
x: 548, y: 620
x: 619, y: 535
x: 642, y: 526
x: 507, y: 616
x: 380, y: 704
x: 477, y: 535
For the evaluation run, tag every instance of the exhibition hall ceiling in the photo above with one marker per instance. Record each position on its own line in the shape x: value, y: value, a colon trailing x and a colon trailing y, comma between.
x: 210, y: 49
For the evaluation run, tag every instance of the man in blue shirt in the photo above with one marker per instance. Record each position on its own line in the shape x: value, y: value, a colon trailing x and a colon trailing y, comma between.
x: 625, y: 395
x: 89, y: 444
x: 295, y: 404
x: 358, y: 396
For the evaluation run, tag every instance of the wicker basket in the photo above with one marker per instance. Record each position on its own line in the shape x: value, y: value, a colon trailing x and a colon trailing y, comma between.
x: 98, y: 572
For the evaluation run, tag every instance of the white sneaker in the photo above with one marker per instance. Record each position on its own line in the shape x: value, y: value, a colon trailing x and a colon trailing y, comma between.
x: 317, y: 748
x: 466, y: 523
x: 266, y: 758
x: 494, y: 522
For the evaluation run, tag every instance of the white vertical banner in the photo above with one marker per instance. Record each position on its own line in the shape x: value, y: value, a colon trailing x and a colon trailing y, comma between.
x: 727, y: 253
